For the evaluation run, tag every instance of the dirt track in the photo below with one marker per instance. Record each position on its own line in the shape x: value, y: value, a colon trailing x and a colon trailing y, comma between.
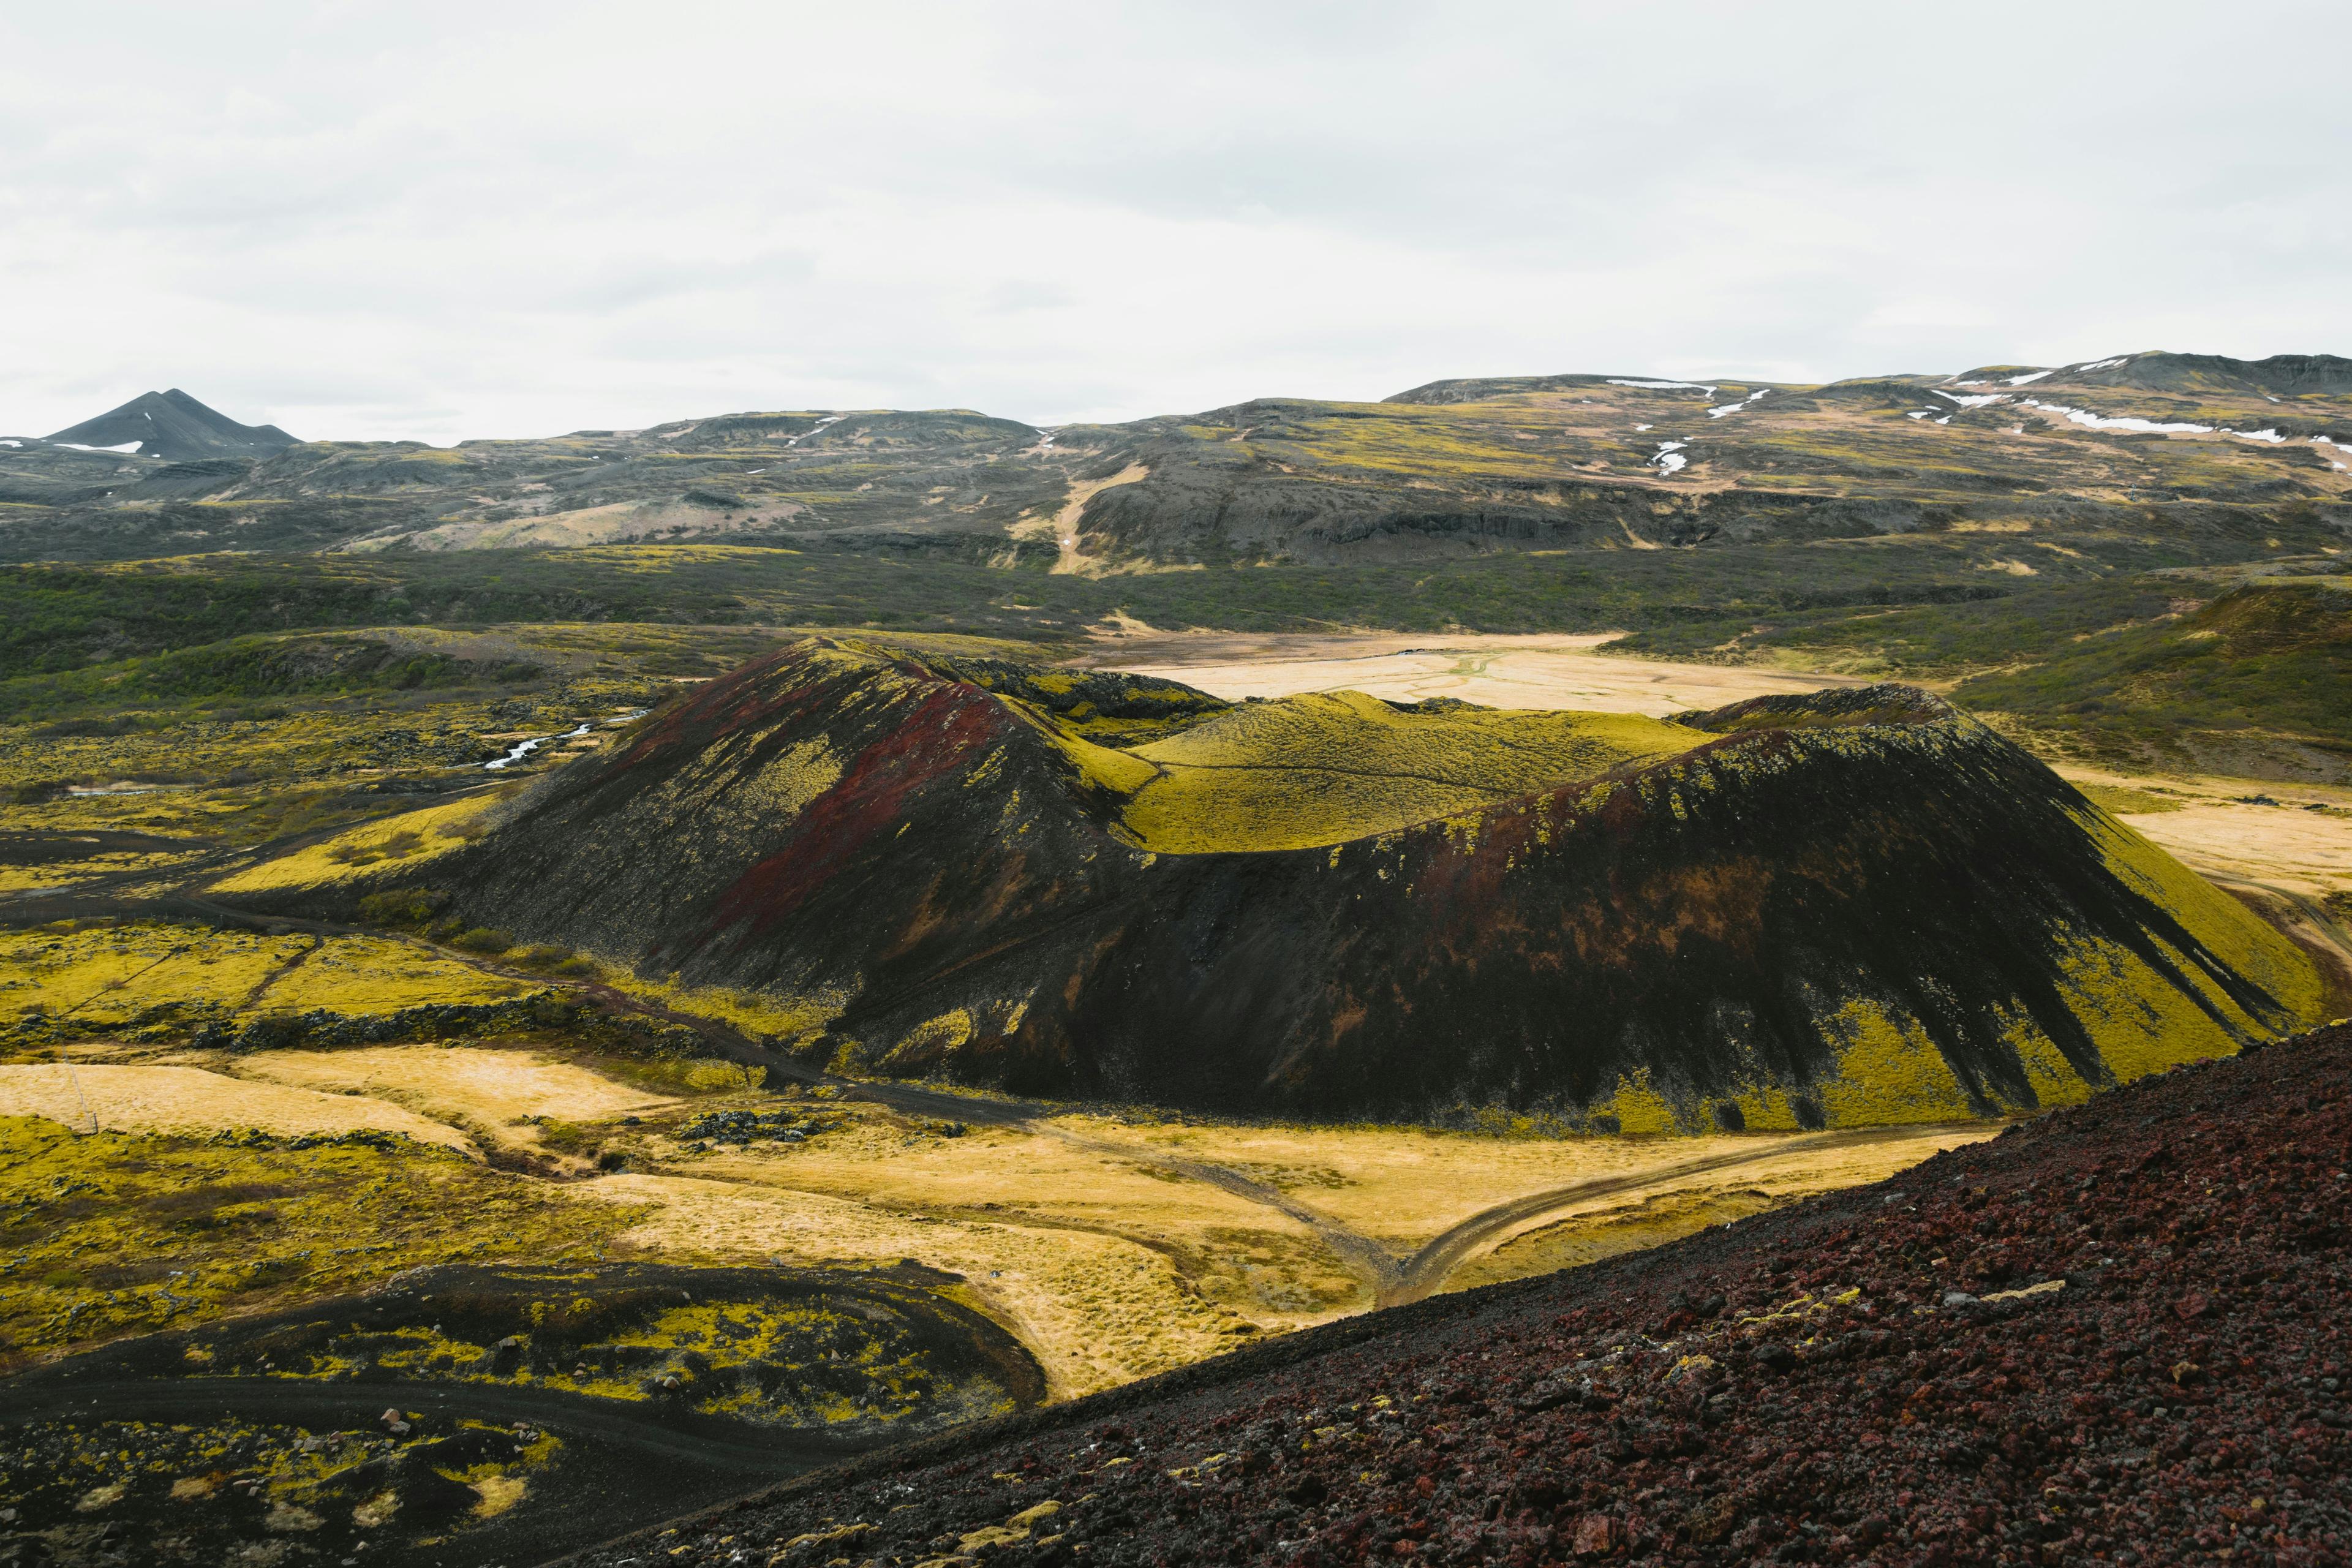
x: 1427, y: 1270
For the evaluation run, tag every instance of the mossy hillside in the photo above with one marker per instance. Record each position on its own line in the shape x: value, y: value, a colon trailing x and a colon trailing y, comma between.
x: 1865, y: 877
x: 1107, y: 707
x: 1326, y: 768
x: 109, y: 1234
x: 2265, y: 659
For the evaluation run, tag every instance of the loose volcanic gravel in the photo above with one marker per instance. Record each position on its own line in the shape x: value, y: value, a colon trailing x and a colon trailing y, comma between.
x: 2115, y: 1334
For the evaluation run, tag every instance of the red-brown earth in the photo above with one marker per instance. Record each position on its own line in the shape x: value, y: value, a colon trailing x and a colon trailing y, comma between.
x: 2115, y: 1334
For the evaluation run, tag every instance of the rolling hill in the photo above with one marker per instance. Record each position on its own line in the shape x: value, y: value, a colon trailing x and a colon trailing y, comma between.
x: 1851, y: 907
x: 2052, y: 469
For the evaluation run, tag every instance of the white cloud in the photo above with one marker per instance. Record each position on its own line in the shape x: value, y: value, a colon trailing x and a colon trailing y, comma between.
x: 441, y: 221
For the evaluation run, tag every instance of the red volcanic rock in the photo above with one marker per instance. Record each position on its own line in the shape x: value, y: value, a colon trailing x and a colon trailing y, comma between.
x: 2115, y: 1334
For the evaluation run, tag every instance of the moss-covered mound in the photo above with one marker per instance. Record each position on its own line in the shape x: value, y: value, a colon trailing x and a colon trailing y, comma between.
x: 1845, y: 908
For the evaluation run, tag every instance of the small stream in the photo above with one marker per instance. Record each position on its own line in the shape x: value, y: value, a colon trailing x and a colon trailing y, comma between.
x: 522, y: 749
x: 525, y: 748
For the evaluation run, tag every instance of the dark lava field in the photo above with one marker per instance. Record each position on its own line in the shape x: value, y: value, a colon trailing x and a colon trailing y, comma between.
x: 2114, y: 1334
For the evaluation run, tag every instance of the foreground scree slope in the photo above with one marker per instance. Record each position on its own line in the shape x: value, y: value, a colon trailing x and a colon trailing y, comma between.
x: 1840, y: 909
x: 2114, y: 1334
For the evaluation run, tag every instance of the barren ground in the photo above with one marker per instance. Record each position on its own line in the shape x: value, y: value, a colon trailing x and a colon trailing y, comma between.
x: 1548, y: 670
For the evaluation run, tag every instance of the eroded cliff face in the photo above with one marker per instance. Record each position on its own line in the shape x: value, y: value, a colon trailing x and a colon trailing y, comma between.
x: 1837, y: 910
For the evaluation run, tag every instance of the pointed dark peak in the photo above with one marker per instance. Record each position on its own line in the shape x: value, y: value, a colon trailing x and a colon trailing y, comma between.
x: 175, y: 426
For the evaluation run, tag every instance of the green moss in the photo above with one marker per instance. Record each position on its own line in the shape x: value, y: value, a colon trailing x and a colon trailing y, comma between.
x: 1337, y: 766
x: 114, y: 1233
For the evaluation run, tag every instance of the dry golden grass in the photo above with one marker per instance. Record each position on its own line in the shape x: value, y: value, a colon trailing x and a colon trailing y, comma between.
x: 125, y: 1099
x: 489, y: 1092
x: 1096, y: 1311
x: 1402, y: 1186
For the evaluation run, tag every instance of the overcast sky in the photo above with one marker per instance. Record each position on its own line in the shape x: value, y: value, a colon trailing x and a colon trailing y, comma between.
x: 439, y: 221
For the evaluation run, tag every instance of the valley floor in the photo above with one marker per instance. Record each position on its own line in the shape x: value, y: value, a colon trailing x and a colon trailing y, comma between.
x: 360, y: 1104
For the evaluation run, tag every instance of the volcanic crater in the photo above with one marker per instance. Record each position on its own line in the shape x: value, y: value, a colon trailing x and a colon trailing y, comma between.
x: 1844, y: 908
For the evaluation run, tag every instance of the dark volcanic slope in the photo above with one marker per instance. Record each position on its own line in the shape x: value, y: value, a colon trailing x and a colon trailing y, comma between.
x: 2115, y: 1334
x: 1851, y: 907
x: 173, y: 426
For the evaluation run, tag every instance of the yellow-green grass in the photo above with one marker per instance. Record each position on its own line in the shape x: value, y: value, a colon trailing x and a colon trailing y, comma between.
x: 104, y: 863
x: 2123, y: 801
x: 393, y: 843
x: 114, y: 1233
x: 1328, y: 767
x: 108, y: 978
x: 361, y: 975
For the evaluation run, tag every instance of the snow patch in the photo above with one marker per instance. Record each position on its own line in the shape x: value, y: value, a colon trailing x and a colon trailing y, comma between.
x: 7, y: 443
x: 1720, y: 409
x: 78, y: 447
x: 1664, y: 386
x: 2102, y: 421
x: 820, y: 425
x: 1977, y: 400
x: 1637, y: 427
x: 2101, y: 365
x: 2271, y: 437
x: 1670, y: 457
x: 2031, y: 377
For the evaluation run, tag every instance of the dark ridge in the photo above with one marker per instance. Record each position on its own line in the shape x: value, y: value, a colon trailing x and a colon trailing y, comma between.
x: 174, y: 426
x: 2285, y: 375
x: 2111, y: 1334
x: 1478, y: 389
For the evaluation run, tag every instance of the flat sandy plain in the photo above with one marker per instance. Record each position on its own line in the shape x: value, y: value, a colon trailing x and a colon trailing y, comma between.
x: 1549, y: 671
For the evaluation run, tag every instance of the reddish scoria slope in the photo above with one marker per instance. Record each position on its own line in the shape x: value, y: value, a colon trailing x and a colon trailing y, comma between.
x: 2115, y: 1334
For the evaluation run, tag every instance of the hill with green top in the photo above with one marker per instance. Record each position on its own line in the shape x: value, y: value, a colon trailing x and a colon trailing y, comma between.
x: 1851, y: 907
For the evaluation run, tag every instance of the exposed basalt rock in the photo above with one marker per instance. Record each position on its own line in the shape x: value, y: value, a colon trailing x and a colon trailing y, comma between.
x: 1856, y: 906
x: 2114, y: 1334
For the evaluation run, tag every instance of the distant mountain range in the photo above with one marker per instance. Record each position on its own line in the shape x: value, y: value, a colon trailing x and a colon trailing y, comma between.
x: 175, y: 428
x: 2257, y: 449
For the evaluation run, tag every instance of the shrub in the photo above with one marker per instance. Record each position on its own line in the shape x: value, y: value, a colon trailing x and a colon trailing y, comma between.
x: 482, y: 938
x: 402, y: 906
